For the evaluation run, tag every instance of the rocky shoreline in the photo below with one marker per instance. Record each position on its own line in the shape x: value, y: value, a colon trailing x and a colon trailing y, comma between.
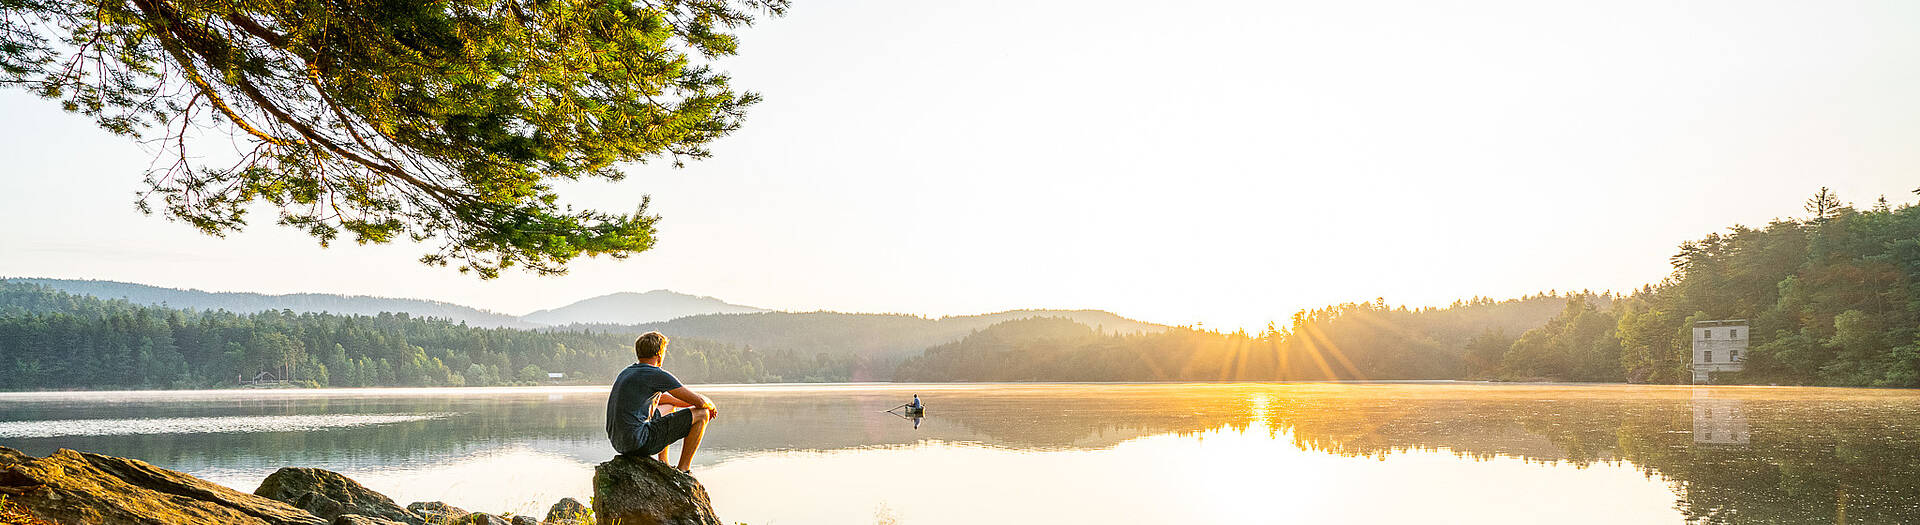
x: 78, y: 488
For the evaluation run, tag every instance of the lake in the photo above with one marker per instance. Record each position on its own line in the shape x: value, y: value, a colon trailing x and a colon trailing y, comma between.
x: 1074, y: 453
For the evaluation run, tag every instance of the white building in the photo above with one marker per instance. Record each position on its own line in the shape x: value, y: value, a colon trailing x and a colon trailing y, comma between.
x: 1718, y: 346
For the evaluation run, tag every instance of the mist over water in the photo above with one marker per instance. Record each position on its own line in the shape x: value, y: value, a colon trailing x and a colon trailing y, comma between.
x: 1075, y: 453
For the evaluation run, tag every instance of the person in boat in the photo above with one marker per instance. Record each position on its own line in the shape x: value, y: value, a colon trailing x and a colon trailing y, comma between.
x: 915, y: 405
x: 641, y: 420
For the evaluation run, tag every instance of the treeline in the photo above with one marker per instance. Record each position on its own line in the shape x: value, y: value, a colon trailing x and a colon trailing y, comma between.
x: 252, y: 302
x: 884, y: 337
x: 1832, y: 299
x: 1348, y: 341
x: 54, y: 340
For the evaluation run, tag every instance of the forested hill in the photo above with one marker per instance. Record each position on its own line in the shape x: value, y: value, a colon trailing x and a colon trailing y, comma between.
x: 1348, y: 341
x: 252, y: 302
x: 878, y: 336
x: 624, y: 307
x: 1831, y: 299
x: 54, y: 340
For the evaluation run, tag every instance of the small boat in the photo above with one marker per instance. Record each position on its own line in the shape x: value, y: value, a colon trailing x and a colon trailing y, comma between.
x: 913, y: 409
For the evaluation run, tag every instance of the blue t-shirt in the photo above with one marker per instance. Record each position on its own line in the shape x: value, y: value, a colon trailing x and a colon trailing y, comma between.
x: 631, y: 404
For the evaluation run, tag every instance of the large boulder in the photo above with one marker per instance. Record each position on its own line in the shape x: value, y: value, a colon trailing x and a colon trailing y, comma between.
x: 568, y: 511
x: 633, y: 490
x: 77, y: 488
x: 320, y: 505
x: 524, y: 520
x: 333, y: 495
x: 437, y: 512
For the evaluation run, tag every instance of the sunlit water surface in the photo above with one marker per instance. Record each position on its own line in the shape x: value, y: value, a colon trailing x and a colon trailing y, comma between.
x: 1103, y: 453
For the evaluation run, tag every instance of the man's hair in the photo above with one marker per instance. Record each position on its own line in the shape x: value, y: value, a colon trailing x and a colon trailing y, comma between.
x: 649, y: 344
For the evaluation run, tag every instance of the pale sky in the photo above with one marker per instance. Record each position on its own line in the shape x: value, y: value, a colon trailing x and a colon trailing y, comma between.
x: 1224, y: 163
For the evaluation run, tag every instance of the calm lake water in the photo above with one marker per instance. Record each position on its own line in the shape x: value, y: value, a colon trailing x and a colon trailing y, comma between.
x: 1078, y: 453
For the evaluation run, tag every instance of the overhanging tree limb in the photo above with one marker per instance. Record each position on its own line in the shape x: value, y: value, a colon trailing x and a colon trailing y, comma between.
x: 438, y: 120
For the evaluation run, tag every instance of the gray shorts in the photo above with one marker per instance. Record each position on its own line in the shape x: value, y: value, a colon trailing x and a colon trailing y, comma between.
x: 655, y: 434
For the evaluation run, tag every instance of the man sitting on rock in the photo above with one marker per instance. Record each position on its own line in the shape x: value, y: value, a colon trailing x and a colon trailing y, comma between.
x: 632, y: 424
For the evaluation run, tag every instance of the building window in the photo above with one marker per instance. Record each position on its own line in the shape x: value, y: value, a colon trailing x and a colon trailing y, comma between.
x: 1709, y: 333
x: 1733, y: 333
x: 1733, y: 355
x: 1709, y: 358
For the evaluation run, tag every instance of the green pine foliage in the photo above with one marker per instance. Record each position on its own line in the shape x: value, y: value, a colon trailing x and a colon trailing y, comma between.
x: 436, y: 119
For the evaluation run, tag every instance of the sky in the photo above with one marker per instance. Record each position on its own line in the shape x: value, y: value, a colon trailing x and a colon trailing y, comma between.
x: 1222, y: 163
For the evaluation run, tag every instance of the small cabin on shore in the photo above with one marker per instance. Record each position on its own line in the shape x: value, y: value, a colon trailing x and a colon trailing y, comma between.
x: 1718, y: 346
x: 261, y: 379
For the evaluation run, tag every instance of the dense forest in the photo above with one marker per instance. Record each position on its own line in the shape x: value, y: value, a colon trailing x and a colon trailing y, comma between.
x: 1348, y: 341
x: 1832, y: 299
x: 54, y: 340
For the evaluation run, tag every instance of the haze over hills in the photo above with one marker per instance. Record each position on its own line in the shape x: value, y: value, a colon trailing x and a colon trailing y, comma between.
x: 626, y: 307
x: 635, y: 308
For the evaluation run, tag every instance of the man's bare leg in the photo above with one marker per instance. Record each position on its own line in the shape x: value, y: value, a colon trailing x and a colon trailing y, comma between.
x: 662, y: 411
x: 692, y: 443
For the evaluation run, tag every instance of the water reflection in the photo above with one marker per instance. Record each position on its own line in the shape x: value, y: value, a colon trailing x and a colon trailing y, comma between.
x: 915, y: 419
x: 1718, y: 421
x: 1118, y: 453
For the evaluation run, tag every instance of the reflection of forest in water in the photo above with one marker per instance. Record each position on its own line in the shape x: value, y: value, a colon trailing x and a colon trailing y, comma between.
x: 1747, y: 455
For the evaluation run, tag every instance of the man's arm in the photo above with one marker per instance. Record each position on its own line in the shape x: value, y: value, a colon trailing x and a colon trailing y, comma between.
x: 687, y: 397
x: 666, y: 398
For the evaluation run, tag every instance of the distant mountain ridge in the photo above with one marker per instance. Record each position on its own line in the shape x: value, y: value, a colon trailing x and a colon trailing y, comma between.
x: 634, y: 308
x: 625, y: 307
x: 246, y: 302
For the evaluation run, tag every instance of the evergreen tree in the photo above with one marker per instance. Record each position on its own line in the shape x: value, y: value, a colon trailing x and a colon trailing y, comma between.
x: 436, y: 119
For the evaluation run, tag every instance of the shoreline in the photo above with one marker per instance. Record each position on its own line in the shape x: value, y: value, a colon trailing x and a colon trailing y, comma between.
x: 427, y: 391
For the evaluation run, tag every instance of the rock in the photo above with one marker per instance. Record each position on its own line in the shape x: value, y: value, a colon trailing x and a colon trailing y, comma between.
x: 12, y: 513
x: 320, y: 505
x: 80, y: 488
x: 291, y: 484
x: 436, y: 512
x: 356, y: 519
x: 567, y: 511
x: 644, y: 491
x: 525, y: 520
x: 479, y: 518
